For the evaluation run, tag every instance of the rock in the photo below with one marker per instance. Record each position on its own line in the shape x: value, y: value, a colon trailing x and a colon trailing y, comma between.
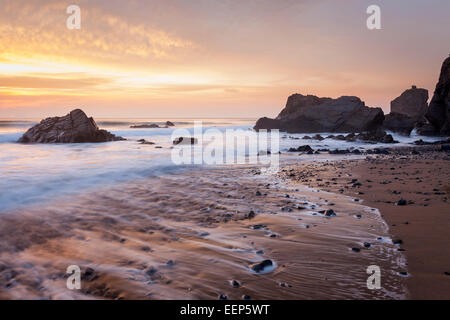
x: 170, y: 263
x: 90, y: 275
x: 412, y: 103
x: 223, y: 297
x: 305, y: 148
x: 438, y: 113
x: 402, y: 202
x: 338, y: 151
x: 304, y: 114
x: 399, y: 123
x: 185, y: 140
x: 145, y: 126
x: 143, y: 141
x: 74, y: 127
x: 367, y: 245
x: 330, y: 213
x: 235, y: 284
x: 258, y: 267
x: 318, y: 137
x: 376, y: 136
x: 397, y: 241
x: 246, y: 297
x: 356, y: 249
x: 170, y: 124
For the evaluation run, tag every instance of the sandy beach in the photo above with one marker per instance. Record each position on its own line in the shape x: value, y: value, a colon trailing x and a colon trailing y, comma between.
x: 197, y: 236
x: 418, y: 175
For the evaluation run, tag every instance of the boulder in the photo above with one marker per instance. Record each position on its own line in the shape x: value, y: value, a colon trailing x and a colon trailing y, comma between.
x: 400, y: 123
x: 309, y: 113
x: 185, y: 141
x: 376, y: 136
x: 413, y: 103
x: 407, y: 110
x: 145, y: 126
x: 74, y: 127
x: 438, y: 113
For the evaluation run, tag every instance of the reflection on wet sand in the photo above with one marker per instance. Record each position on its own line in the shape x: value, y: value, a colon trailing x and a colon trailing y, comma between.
x: 199, y: 235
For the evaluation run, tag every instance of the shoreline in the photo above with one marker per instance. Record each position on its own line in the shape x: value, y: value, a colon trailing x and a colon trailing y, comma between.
x: 418, y: 175
x: 189, y: 235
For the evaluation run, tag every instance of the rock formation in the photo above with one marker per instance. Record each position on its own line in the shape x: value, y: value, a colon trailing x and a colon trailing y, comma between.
x: 74, y: 127
x: 407, y: 110
x: 309, y: 113
x: 438, y: 113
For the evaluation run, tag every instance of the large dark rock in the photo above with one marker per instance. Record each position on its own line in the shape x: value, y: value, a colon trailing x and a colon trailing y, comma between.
x: 413, y: 103
x: 407, y: 110
x: 398, y: 122
x: 74, y: 127
x: 312, y: 114
x: 438, y: 113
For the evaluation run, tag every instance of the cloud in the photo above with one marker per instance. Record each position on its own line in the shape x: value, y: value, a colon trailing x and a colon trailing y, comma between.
x: 26, y: 82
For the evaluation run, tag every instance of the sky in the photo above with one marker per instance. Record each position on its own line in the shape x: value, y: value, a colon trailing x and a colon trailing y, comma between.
x: 212, y: 58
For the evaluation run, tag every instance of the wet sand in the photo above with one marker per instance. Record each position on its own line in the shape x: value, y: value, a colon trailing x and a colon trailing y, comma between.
x: 417, y: 175
x: 189, y: 235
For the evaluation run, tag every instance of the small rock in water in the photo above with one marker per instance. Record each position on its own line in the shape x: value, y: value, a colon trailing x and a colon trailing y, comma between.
x: 151, y: 271
x: 246, y: 297
x: 204, y: 234
x: 358, y: 216
x: 367, y: 245
x: 235, y: 284
x: 330, y: 213
x: 397, y: 241
x: 447, y: 273
x: 90, y: 274
x: 258, y: 267
x: 223, y: 297
x: 402, y: 202
x: 356, y: 249
x: 260, y: 252
x: 258, y: 193
x: 170, y: 263
x: 251, y: 214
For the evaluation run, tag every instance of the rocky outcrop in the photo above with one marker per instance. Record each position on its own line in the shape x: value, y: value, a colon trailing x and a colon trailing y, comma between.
x: 185, y: 141
x: 400, y: 123
x: 407, y: 110
x: 438, y: 113
x: 145, y: 126
x: 309, y: 113
x: 413, y: 103
x: 74, y: 127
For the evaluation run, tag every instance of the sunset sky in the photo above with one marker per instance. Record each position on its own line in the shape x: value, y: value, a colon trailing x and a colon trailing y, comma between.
x: 211, y: 58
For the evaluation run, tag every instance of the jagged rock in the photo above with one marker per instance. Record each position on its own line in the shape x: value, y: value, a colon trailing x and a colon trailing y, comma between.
x: 309, y: 113
x: 438, y: 113
x: 305, y: 148
x: 74, y: 127
x: 376, y: 136
x: 145, y: 126
x: 407, y: 110
x: 412, y: 102
x: 185, y: 140
x: 399, y: 123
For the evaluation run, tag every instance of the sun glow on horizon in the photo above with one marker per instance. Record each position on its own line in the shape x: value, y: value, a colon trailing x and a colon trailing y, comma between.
x: 209, y: 58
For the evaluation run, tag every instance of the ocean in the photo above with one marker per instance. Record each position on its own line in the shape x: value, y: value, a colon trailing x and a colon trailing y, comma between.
x: 35, y: 173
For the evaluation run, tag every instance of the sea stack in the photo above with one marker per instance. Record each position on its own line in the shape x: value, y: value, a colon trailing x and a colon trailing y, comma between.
x: 74, y: 127
x: 306, y: 114
x: 438, y: 113
x: 407, y: 110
